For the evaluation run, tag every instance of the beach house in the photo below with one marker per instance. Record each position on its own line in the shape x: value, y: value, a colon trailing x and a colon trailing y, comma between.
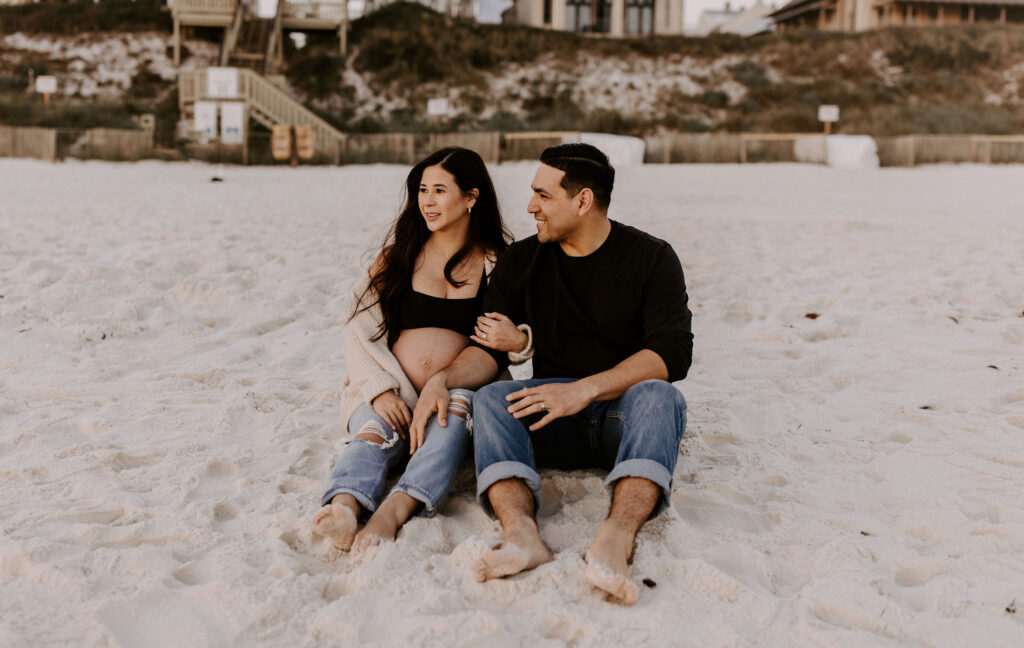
x: 859, y: 15
x: 610, y: 17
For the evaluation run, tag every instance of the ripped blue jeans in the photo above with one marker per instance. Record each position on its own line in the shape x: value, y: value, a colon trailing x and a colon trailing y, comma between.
x: 363, y: 467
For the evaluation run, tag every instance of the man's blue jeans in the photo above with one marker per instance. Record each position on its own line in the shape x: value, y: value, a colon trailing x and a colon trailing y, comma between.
x: 635, y: 435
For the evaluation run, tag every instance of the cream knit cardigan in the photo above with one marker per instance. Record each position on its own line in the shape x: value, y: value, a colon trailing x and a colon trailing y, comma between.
x: 373, y: 369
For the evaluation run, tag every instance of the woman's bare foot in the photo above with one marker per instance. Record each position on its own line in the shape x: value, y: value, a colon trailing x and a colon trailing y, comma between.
x: 337, y: 521
x: 385, y: 522
x: 607, y: 562
x: 522, y: 550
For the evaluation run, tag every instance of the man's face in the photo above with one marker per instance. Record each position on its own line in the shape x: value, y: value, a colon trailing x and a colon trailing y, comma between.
x: 556, y: 212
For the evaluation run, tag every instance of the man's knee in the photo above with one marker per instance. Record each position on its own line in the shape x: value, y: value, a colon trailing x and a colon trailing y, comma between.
x: 491, y: 398
x: 657, y: 393
x: 650, y: 408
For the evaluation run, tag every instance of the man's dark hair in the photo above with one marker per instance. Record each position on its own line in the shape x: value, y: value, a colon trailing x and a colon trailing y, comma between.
x: 585, y: 167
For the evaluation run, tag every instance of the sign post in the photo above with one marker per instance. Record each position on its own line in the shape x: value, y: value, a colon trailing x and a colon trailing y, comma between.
x: 828, y: 113
x: 46, y: 85
x: 437, y: 108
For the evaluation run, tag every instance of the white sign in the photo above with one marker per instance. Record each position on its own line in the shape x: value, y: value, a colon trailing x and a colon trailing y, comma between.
x: 222, y: 83
x: 206, y: 117
x: 828, y: 113
x: 437, y: 107
x: 232, y: 122
x: 46, y: 84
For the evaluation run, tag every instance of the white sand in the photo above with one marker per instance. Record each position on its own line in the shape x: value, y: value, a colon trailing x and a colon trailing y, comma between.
x: 170, y: 357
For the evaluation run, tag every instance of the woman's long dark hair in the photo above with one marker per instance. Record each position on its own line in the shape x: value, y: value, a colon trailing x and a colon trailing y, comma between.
x: 391, y: 278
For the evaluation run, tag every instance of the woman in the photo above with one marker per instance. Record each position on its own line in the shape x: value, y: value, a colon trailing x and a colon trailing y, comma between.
x: 413, y: 316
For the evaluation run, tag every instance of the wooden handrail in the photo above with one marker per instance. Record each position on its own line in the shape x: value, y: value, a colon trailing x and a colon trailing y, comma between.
x: 231, y: 35
x: 205, y: 6
x: 265, y: 99
x: 312, y: 9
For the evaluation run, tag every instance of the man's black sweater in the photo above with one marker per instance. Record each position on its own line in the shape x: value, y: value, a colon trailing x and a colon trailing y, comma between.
x: 590, y: 313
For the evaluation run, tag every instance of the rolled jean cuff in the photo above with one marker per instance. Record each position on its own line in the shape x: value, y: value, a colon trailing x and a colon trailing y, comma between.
x: 648, y: 469
x: 429, y: 506
x: 501, y: 470
x: 364, y: 500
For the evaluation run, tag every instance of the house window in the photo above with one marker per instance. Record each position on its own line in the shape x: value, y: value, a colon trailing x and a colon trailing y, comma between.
x: 547, y: 12
x: 639, y: 16
x: 588, y: 15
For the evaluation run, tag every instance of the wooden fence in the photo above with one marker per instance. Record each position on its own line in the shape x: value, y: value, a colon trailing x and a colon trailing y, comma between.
x: 28, y: 142
x: 407, y: 148
x: 114, y: 144
x: 94, y: 143
x: 529, y: 146
x: 911, y: 150
x: 724, y: 148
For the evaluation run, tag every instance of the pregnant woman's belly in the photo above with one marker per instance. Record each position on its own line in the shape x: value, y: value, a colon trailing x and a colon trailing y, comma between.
x: 423, y: 352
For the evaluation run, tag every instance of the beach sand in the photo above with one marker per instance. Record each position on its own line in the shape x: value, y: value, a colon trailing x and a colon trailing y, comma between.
x: 170, y: 364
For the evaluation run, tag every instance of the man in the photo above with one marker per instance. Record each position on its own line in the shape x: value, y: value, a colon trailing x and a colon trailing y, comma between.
x: 608, y: 308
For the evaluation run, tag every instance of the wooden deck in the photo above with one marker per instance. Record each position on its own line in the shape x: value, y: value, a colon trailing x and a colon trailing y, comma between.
x: 306, y: 15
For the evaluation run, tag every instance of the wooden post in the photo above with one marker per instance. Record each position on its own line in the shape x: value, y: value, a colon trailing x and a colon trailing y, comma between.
x: 743, y: 150
x: 970, y: 14
x: 667, y: 143
x: 343, y: 28
x: 940, y: 16
x: 245, y: 135
x: 1002, y: 15
x: 294, y: 147
x: 177, y: 41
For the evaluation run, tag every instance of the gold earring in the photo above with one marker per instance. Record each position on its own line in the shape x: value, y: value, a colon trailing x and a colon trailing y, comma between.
x: 469, y: 209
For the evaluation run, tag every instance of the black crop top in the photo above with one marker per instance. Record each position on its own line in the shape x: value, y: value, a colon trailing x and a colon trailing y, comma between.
x: 426, y: 311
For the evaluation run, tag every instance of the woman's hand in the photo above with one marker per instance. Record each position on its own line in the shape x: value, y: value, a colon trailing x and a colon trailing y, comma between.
x: 495, y: 331
x: 394, y: 411
x: 434, y: 399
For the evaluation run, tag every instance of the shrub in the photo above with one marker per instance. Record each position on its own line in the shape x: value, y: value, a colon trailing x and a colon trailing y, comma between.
x: 78, y: 16
x: 749, y: 74
x: 714, y: 99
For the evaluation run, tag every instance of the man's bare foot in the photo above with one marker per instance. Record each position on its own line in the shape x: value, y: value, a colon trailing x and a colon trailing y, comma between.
x: 385, y: 522
x: 607, y: 565
x: 337, y: 522
x: 522, y: 550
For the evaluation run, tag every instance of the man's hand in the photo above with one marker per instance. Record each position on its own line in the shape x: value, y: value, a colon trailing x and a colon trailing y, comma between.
x: 495, y: 331
x: 394, y: 411
x: 557, y: 399
x: 433, y: 399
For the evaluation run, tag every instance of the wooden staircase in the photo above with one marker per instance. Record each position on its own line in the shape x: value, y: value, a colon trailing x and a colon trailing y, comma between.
x: 267, y: 103
x: 253, y: 42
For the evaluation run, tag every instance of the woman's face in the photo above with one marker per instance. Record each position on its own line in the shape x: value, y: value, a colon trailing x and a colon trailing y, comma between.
x: 442, y: 203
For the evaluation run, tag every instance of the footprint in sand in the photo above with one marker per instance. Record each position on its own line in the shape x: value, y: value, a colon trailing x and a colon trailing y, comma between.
x: 918, y: 575
x: 224, y: 512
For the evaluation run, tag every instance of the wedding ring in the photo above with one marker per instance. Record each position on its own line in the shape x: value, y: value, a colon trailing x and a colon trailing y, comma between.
x: 543, y: 409
x: 483, y: 336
